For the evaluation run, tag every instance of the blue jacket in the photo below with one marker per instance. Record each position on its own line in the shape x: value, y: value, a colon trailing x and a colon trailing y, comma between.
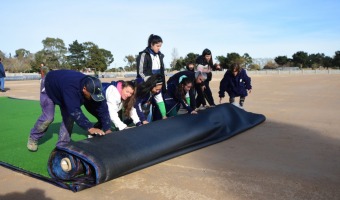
x: 235, y: 85
x: 64, y: 88
x: 2, y: 71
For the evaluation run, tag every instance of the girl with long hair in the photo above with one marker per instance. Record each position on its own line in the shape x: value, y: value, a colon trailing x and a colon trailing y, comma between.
x: 149, y: 101
x: 120, y: 95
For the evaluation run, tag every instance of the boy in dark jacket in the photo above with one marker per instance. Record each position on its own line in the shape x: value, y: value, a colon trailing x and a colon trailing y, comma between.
x: 236, y: 83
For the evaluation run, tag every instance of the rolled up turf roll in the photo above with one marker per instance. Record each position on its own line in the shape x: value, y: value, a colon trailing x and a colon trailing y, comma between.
x: 104, y: 158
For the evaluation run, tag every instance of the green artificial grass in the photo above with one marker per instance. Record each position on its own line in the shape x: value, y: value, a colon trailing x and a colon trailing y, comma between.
x: 17, y: 117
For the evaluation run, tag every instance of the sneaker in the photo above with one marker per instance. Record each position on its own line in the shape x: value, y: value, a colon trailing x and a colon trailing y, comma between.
x: 201, y: 108
x: 32, y: 145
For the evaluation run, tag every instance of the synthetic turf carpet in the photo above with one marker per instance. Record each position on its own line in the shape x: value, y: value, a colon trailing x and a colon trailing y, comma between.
x: 120, y: 153
x: 17, y: 117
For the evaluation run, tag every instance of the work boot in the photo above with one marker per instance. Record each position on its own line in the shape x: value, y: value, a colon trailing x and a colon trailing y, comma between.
x: 32, y: 145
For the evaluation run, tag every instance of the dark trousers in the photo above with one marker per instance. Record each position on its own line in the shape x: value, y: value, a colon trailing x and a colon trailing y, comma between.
x: 46, y: 118
x: 204, y: 95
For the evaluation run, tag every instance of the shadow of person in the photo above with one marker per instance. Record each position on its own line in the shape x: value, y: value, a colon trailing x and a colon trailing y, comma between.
x: 54, y: 129
x: 29, y: 194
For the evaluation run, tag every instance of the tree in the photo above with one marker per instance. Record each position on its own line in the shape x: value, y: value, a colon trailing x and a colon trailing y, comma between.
x: 107, y: 56
x: 95, y: 58
x: 281, y: 60
x: 174, y: 56
x: 22, y: 53
x: 131, y: 62
x: 54, y: 52
x: 336, y: 59
x: 315, y: 60
x: 254, y: 67
x: 191, y: 58
x: 180, y: 63
x: 76, y: 59
x: 300, y: 58
x: 234, y: 58
x: 270, y: 65
x: 39, y: 58
x: 247, y: 60
x: 223, y: 61
x: 327, y: 62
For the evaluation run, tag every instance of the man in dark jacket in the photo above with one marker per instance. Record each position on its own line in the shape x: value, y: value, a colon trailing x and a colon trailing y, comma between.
x: 70, y: 90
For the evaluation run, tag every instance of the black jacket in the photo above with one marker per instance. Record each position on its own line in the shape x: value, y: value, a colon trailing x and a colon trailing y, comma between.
x: 144, y: 63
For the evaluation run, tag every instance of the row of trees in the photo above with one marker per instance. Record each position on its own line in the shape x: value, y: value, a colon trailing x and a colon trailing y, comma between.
x: 300, y: 59
x: 305, y: 60
x: 87, y: 55
x: 78, y: 56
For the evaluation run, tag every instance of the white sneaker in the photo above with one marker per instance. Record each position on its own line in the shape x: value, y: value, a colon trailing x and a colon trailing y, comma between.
x: 238, y: 105
x: 202, y: 108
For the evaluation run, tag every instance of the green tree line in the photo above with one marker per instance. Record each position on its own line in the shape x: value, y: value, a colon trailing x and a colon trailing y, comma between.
x: 300, y: 59
x: 87, y: 55
x: 78, y: 56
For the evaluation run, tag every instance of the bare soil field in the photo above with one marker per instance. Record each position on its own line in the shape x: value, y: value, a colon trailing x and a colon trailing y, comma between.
x: 294, y: 154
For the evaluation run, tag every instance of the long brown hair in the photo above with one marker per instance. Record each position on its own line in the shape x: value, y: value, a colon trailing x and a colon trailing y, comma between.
x: 129, y: 102
x: 180, y: 93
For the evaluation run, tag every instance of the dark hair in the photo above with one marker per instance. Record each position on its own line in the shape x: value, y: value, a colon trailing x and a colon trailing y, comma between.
x: 154, y: 39
x: 206, y: 52
x: 129, y: 102
x: 144, y: 88
x: 187, y: 66
x: 180, y: 90
x: 235, y: 66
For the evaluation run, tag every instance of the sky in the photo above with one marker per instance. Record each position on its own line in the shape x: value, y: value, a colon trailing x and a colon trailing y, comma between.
x: 262, y: 28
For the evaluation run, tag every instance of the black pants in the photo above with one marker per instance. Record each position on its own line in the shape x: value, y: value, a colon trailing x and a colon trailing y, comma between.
x: 204, y: 95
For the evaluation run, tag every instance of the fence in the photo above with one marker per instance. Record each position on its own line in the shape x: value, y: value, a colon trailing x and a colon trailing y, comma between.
x: 294, y: 72
x: 36, y: 76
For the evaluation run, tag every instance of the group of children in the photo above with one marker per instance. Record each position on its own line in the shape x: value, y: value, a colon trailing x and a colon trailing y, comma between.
x: 147, y: 98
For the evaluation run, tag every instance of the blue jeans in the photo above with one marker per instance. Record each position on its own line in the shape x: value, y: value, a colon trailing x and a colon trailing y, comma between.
x: 2, y: 80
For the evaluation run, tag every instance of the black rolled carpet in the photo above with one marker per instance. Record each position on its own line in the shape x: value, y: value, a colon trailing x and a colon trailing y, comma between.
x: 101, y: 159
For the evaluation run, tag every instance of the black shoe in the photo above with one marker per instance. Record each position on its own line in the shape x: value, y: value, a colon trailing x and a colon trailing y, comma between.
x: 3, y: 90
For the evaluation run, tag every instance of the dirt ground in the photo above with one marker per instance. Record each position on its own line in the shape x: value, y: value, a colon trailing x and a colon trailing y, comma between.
x: 294, y: 154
